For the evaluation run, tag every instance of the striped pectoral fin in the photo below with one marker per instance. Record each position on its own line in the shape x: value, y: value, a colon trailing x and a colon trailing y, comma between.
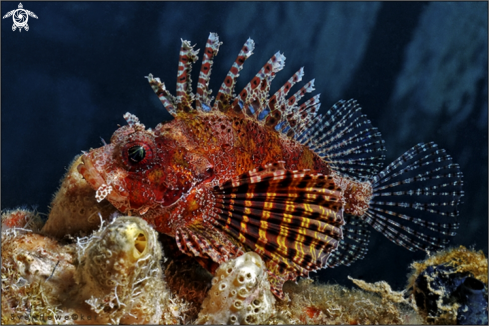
x: 415, y: 199
x: 293, y: 219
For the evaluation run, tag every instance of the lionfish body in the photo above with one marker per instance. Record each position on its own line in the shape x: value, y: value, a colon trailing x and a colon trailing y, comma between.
x: 265, y: 173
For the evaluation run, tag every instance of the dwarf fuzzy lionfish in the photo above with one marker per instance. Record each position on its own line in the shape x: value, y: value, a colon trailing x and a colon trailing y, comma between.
x: 271, y: 174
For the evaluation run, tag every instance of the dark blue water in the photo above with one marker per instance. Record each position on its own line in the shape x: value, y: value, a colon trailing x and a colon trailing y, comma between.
x: 419, y: 70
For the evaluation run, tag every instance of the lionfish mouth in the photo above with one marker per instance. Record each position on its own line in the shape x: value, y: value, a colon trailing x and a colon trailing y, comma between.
x: 96, y: 181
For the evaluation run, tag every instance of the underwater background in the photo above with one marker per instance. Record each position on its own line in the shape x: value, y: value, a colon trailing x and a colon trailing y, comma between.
x: 418, y: 69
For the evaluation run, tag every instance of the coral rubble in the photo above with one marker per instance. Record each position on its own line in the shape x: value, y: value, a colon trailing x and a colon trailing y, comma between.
x: 309, y: 302
x: 114, y: 276
x: 37, y: 272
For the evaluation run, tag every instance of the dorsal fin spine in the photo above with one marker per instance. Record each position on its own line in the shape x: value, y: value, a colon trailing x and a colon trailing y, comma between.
x: 291, y: 109
x: 307, y: 88
x: 203, y: 99
x: 277, y: 102
x: 225, y: 94
x: 164, y: 96
x: 185, y: 97
x: 254, y: 95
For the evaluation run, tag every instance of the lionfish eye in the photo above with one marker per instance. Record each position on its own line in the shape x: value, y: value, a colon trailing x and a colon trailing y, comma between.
x: 136, y: 153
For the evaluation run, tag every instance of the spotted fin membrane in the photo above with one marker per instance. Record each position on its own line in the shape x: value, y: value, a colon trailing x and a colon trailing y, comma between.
x: 354, y: 244
x: 414, y: 199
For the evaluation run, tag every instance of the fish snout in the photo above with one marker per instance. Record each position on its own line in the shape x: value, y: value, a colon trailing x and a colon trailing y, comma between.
x: 89, y: 172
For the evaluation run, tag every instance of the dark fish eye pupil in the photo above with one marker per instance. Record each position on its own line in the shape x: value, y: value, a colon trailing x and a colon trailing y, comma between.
x: 136, y: 153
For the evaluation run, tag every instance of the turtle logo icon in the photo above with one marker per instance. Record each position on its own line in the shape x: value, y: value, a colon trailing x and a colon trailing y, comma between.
x: 20, y: 17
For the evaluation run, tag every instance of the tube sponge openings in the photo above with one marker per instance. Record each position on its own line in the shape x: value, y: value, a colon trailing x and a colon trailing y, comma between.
x: 240, y: 293
x: 120, y: 273
x: 114, y: 275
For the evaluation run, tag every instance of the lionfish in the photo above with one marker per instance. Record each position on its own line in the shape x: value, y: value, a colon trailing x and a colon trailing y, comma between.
x: 271, y: 174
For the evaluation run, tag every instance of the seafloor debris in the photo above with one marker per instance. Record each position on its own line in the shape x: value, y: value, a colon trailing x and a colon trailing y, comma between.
x: 115, y: 276
x: 451, y: 287
x: 309, y: 302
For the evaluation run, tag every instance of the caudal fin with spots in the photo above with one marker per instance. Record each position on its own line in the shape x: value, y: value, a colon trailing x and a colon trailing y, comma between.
x: 415, y: 199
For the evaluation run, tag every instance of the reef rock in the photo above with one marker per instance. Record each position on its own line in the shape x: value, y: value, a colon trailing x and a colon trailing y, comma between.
x: 451, y: 287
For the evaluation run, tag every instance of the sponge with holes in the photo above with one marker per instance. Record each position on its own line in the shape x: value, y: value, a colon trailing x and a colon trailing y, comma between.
x: 240, y: 293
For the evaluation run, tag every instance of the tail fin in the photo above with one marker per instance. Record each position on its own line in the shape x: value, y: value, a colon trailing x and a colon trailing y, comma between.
x: 415, y: 199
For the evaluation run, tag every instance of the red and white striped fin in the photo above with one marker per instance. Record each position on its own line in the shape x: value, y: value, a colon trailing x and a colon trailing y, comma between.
x: 206, y: 242
x: 288, y: 119
x: 277, y: 103
x: 294, y: 99
x: 253, y: 98
x: 203, y: 99
x: 168, y: 100
x: 225, y: 95
x: 278, y: 99
x: 185, y: 97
